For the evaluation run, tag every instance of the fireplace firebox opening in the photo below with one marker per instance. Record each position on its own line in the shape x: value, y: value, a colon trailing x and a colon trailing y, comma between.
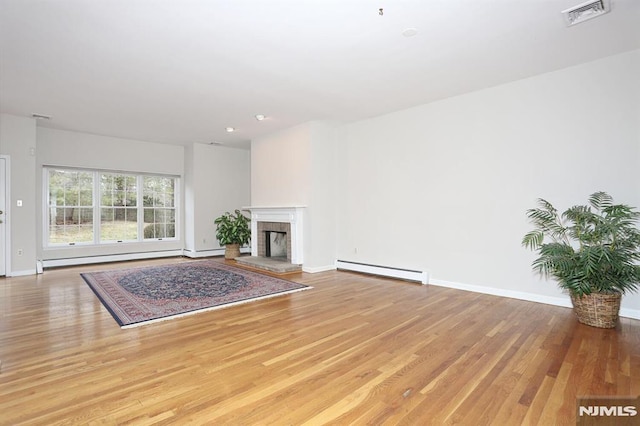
x: 275, y: 244
x: 274, y: 240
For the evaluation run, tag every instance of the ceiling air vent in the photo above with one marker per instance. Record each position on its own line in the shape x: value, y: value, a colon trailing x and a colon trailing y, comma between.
x: 585, y: 11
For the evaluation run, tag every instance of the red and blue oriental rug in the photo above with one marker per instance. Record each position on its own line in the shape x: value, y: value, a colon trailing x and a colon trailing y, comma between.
x: 148, y: 294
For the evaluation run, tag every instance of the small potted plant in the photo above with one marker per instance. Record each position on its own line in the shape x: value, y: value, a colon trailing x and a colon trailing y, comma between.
x: 592, y: 252
x: 232, y: 231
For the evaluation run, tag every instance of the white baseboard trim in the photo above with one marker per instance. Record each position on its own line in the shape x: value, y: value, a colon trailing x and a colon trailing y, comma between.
x: 193, y: 254
x: 73, y: 261
x: 387, y: 271
x: 22, y: 273
x: 316, y: 269
x: 630, y: 313
x: 529, y: 297
x: 203, y: 253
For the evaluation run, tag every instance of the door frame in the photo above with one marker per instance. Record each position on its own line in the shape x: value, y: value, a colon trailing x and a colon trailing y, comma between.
x: 7, y: 214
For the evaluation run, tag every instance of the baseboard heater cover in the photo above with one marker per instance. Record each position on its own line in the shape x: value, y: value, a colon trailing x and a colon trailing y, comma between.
x: 213, y: 252
x: 387, y: 271
x: 72, y: 261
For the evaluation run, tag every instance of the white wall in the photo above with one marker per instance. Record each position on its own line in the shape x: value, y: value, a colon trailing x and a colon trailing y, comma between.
x: 219, y: 181
x: 279, y: 168
x: 320, y: 233
x: 189, y: 200
x: 74, y: 149
x: 17, y: 139
x: 444, y: 186
x: 296, y: 167
x: 66, y: 148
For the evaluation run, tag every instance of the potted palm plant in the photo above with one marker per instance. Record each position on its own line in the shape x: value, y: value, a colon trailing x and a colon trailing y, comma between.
x: 592, y: 251
x: 232, y: 231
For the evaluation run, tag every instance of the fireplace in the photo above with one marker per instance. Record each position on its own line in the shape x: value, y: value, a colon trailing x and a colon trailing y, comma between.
x: 279, y: 229
x: 274, y: 240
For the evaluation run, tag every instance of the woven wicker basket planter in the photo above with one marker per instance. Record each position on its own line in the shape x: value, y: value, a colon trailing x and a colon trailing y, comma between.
x: 231, y: 251
x: 597, y: 309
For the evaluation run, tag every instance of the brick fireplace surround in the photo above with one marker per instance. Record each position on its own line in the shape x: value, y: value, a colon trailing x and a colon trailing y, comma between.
x: 263, y: 227
x: 279, y: 219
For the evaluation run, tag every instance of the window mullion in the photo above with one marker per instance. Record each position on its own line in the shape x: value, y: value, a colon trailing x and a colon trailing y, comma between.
x: 46, y: 228
x: 97, y: 228
x: 139, y: 197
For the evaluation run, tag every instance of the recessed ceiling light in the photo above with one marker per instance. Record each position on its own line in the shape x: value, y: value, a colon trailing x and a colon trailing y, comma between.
x: 230, y: 129
x: 260, y: 117
x: 410, y: 32
x: 41, y: 116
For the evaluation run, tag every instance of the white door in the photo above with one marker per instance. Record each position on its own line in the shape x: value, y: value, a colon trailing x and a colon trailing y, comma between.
x: 3, y: 217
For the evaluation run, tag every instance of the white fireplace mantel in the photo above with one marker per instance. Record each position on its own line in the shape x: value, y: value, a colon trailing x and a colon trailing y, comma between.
x: 291, y: 215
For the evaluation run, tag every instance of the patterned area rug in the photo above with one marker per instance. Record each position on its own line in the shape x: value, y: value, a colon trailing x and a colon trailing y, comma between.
x: 148, y: 294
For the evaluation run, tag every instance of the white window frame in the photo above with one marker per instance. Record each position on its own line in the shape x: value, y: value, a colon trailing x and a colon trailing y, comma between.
x: 97, y: 208
x: 138, y: 198
x: 142, y: 206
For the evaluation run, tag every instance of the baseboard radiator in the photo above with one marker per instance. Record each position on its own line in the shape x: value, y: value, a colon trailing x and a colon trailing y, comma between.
x: 86, y: 260
x: 387, y: 271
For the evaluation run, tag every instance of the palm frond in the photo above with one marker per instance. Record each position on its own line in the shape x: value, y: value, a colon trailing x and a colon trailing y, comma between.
x: 599, y: 200
x: 533, y: 239
x: 547, y: 220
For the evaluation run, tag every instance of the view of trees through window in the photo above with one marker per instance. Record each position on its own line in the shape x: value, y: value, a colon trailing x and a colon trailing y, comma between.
x: 159, y: 207
x: 70, y: 206
x: 101, y: 207
x: 118, y: 207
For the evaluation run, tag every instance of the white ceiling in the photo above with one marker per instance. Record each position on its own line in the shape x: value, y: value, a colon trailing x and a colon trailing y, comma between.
x: 180, y: 71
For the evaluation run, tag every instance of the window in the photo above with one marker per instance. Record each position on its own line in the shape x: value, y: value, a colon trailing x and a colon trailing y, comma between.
x: 95, y: 207
x: 159, y: 207
x: 118, y: 207
x: 70, y: 206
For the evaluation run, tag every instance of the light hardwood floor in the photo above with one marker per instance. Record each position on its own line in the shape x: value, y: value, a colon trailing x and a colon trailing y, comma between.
x: 356, y: 349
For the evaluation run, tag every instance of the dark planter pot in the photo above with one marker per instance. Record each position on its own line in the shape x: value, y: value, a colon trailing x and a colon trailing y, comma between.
x: 597, y: 309
x: 231, y: 251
